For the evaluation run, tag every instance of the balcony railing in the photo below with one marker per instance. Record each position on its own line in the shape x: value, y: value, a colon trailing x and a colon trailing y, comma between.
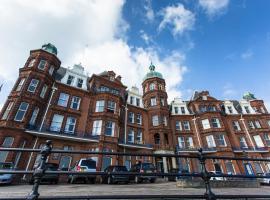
x: 55, y: 131
x: 138, y: 144
x: 194, y: 149
x: 249, y: 148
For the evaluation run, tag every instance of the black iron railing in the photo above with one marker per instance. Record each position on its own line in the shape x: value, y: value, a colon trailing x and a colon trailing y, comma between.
x: 47, y: 150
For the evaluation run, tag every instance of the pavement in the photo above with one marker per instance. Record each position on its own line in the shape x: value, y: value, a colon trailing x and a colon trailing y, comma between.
x: 161, y: 188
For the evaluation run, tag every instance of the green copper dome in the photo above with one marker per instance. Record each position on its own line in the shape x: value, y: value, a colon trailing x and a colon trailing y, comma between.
x: 152, y: 73
x: 50, y: 48
x: 249, y: 96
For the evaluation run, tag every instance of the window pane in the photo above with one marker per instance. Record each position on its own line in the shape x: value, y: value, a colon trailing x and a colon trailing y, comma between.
x: 56, y: 123
x: 7, y: 111
x: 33, y: 85
x: 21, y: 111
x: 63, y: 99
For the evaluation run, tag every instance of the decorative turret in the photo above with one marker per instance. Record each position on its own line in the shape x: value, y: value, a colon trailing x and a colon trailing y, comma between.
x: 50, y: 48
x: 152, y: 73
x: 248, y: 96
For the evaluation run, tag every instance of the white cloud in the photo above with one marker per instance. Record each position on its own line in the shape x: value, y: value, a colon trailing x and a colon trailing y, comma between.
x: 91, y: 32
x: 214, y: 7
x: 146, y: 38
x: 149, y: 12
x: 178, y: 19
x: 247, y: 54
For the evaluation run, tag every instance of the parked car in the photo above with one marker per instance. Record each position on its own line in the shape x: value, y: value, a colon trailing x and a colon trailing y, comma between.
x: 176, y: 170
x: 110, y: 179
x: 264, y: 180
x: 216, y: 178
x: 6, y: 178
x: 83, y: 165
x: 49, y: 178
x: 143, y: 168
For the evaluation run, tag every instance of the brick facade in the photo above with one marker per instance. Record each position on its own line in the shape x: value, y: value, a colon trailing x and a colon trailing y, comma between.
x: 102, y: 117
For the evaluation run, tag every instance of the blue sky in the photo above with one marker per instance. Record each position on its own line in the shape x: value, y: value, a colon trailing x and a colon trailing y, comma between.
x: 218, y: 45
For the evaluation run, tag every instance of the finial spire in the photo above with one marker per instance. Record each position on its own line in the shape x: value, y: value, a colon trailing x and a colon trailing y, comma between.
x: 152, y: 67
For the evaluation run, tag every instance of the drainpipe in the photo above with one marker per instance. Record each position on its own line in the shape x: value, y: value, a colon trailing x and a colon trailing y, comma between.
x: 125, y: 130
x: 197, y: 132
x: 247, y: 132
x: 48, y: 105
x: 30, y: 158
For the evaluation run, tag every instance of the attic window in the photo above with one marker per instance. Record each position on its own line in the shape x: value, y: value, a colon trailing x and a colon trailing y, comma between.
x: 204, y: 97
x: 111, y: 78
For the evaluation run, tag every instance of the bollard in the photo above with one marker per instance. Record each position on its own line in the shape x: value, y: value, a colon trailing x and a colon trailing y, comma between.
x: 209, y: 195
x: 40, y: 170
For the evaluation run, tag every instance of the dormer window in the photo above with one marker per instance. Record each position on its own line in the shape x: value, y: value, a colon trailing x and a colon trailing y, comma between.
x: 131, y: 100
x: 137, y: 102
x: 41, y: 64
x: 183, y: 111
x: 204, y: 97
x: 111, y: 78
x: 160, y: 87
x: 152, y: 86
x: 79, y: 83
x: 230, y: 110
x: 176, y: 110
x: 70, y: 80
x: 247, y: 109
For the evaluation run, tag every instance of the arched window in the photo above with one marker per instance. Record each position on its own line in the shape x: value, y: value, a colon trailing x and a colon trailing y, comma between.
x: 152, y: 86
x: 157, y: 138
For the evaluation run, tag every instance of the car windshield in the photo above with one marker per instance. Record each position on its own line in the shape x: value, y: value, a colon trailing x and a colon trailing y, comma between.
x: 120, y: 169
x: 52, y: 167
x: 6, y: 165
x: 89, y: 163
x: 148, y: 166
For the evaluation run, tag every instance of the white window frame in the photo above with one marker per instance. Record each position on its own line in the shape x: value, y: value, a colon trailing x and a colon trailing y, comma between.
x: 221, y: 138
x: 7, y: 111
x: 130, y: 136
x: 152, y: 86
x: 206, y: 124
x: 181, y: 142
x: 6, y: 144
x: 131, y: 117
x: 97, y: 127
x: 189, y: 142
x: 51, y: 70
x: 34, y: 85
x: 32, y: 62
x: 42, y: 64
x: 139, y: 136
x: 20, y: 85
x: 215, y: 122
x: 155, y: 120
x: 56, y: 124
x: 242, y: 140
x: 43, y: 91
x: 20, y: 109
x: 100, y: 104
x: 112, y: 127
x: 210, y: 141
x: 180, y: 125
x: 153, y: 101
x: 70, y: 123
x: 139, y: 119
x: 80, y: 82
x: 63, y: 99
x: 186, y: 125
x: 236, y: 125
x: 70, y: 79
x: 111, y: 106
x: 251, y: 125
x: 33, y: 119
x: 75, y: 101
x: 258, y: 141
